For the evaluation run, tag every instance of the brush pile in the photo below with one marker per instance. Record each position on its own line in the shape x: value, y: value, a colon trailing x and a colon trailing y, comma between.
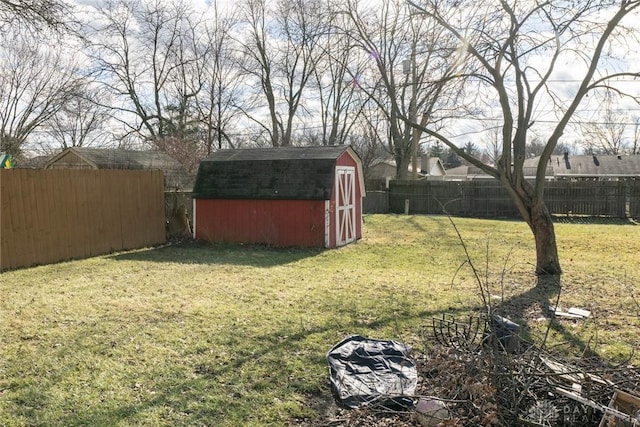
x: 485, y: 385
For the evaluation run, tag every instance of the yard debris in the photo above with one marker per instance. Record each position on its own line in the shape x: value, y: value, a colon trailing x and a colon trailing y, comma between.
x: 431, y: 412
x: 461, y: 383
x: 448, y: 331
x: 611, y: 413
x: 579, y: 312
x: 376, y: 373
x: 506, y: 331
x: 626, y: 404
x: 476, y: 331
x: 571, y: 313
x: 571, y: 376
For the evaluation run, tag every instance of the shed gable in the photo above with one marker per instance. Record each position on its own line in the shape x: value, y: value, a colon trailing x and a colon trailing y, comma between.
x: 70, y: 160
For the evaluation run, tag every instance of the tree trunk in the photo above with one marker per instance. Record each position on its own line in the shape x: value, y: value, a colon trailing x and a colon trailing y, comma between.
x: 541, y: 224
x: 402, y: 167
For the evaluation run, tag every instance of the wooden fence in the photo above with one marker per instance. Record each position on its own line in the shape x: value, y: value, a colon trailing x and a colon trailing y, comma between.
x: 376, y: 202
x: 52, y: 215
x: 617, y: 199
x: 634, y: 200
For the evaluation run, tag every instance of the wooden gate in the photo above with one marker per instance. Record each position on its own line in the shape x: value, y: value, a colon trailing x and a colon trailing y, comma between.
x: 345, y: 205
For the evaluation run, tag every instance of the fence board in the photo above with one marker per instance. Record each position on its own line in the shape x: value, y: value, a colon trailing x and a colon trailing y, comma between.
x: 375, y: 202
x: 52, y: 215
x: 633, y: 198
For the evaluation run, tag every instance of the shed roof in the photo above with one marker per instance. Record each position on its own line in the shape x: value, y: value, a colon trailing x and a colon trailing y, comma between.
x: 270, y: 173
x: 107, y: 158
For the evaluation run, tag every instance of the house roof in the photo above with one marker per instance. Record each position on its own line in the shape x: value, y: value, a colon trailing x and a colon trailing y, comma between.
x: 591, y: 165
x: 584, y: 166
x: 467, y: 172
x: 106, y: 158
x: 462, y: 170
x: 271, y: 173
x: 427, y: 166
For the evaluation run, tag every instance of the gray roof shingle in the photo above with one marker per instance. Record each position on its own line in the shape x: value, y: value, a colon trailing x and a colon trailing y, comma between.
x: 269, y: 173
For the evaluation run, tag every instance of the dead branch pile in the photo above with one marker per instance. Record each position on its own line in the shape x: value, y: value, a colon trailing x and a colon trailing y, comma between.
x: 485, y: 386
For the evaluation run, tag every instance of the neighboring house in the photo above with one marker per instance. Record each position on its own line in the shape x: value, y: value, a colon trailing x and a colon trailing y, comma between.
x: 471, y: 173
x: 381, y: 169
x: 287, y: 196
x: 599, y: 167
x: 565, y: 166
x: 176, y: 176
x: 465, y: 173
x: 430, y: 168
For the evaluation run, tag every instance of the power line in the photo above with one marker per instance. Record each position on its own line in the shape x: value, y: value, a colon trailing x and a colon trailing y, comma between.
x: 574, y: 122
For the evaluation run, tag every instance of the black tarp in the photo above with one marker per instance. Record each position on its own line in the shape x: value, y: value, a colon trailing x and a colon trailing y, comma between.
x: 368, y: 372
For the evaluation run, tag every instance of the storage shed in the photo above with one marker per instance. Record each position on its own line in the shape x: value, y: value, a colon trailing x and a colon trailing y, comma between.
x: 288, y: 196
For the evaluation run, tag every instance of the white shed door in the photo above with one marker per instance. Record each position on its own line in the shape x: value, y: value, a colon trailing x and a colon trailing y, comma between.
x: 345, y: 205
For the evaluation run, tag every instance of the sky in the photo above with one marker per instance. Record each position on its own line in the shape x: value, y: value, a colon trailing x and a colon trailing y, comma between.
x: 564, y: 81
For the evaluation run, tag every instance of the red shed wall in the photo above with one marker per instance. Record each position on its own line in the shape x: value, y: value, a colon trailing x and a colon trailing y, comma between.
x: 276, y: 222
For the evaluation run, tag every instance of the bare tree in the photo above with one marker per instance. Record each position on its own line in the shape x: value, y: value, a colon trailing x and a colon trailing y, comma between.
x: 606, y: 133
x: 141, y: 50
x: 220, y: 101
x: 36, y: 81
x: 535, y: 147
x: 373, y: 126
x: 80, y: 122
x: 259, y: 62
x: 506, y: 43
x: 635, y: 141
x: 366, y: 143
x: 280, y: 45
x: 35, y: 15
x: 338, y: 71
x: 471, y: 148
x: 174, y: 70
x: 409, y: 54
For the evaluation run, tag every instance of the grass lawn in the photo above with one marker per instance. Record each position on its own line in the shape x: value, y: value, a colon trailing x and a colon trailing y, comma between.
x: 219, y: 335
